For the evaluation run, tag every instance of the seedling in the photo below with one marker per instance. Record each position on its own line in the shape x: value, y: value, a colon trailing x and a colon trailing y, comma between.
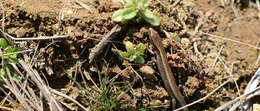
x: 134, y: 54
x: 135, y: 8
x: 8, y: 55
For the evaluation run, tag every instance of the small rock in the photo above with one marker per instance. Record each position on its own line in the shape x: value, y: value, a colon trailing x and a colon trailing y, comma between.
x: 117, y: 69
x: 191, y: 85
x: 20, y: 32
x: 156, y: 102
x: 185, y: 42
x: 138, y: 93
x: 148, y: 72
x: 116, y: 4
x: 93, y: 69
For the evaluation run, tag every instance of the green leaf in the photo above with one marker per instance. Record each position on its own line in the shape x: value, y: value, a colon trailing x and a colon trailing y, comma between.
x: 3, y: 43
x: 12, y: 57
x: 16, y: 49
x: 5, y: 56
x: 9, y: 50
x: 16, y: 77
x: 146, y: 3
x: 139, y: 60
x: 132, y: 57
x: 142, y: 109
x: 3, y: 72
x: 129, y: 3
x: 130, y: 48
x: 124, y: 54
x: 13, y: 60
x: 140, y: 48
x: 143, y: 4
x: 10, y: 67
x: 124, y: 14
x: 148, y: 16
x: 1, y: 82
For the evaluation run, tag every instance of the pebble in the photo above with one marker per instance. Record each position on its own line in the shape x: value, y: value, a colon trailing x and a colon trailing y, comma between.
x: 185, y: 42
x: 148, y: 72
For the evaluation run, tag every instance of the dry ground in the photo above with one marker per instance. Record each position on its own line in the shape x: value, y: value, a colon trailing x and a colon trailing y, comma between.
x: 204, y: 63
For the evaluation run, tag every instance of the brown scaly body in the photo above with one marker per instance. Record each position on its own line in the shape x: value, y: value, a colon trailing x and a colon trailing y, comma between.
x: 164, y: 68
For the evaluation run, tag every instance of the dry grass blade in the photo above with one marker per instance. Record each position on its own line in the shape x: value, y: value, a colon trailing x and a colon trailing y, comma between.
x: 82, y: 4
x: 44, y: 89
x: 235, y: 100
x: 6, y: 108
x: 10, y: 84
x: 258, y: 5
x: 26, y: 96
x: 3, y: 15
x: 35, y: 38
x: 233, y: 6
x: 65, y: 96
x: 204, y: 98
x: 99, y: 48
x: 231, y: 40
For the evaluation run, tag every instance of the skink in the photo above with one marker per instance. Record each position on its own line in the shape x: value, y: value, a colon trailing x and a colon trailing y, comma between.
x: 164, y: 68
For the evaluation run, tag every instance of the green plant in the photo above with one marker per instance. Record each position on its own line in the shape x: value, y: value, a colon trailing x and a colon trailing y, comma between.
x: 133, y: 8
x: 109, y: 96
x: 8, y: 55
x: 134, y: 53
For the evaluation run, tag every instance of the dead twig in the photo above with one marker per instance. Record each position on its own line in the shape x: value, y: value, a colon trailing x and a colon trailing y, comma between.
x: 223, y: 3
x: 99, y: 48
x: 3, y: 15
x: 258, y: 53
x: 204, y: 98
x: 116, y: 76
x: 35, y: 38
x: 230, y: 72
x: 88, y: 77
x: 82, y: 4
x: 258, y: 5
x: 233, y: 6
x: 162, y: 3
x: 231, y: 40
x: 34, y: 54
x: 258, y: 59
x: 235, y: 100
x: 216, y: 59
x: 65, y: 96
x: 175, y: 3
x: 44, y: 88
x: 197, y: 50
x: 138, y: 75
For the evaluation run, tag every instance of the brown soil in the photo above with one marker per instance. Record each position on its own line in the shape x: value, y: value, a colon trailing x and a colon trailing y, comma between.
x: 60, y: 59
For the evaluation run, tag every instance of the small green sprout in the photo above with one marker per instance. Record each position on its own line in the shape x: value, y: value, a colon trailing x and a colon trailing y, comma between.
x: 8, y: 55
x: 135, y: 8
x: 134, y: 54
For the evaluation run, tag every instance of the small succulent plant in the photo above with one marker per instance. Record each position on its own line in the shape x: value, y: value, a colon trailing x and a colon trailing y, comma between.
x: 136, y: 8
x: 134, y: 53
